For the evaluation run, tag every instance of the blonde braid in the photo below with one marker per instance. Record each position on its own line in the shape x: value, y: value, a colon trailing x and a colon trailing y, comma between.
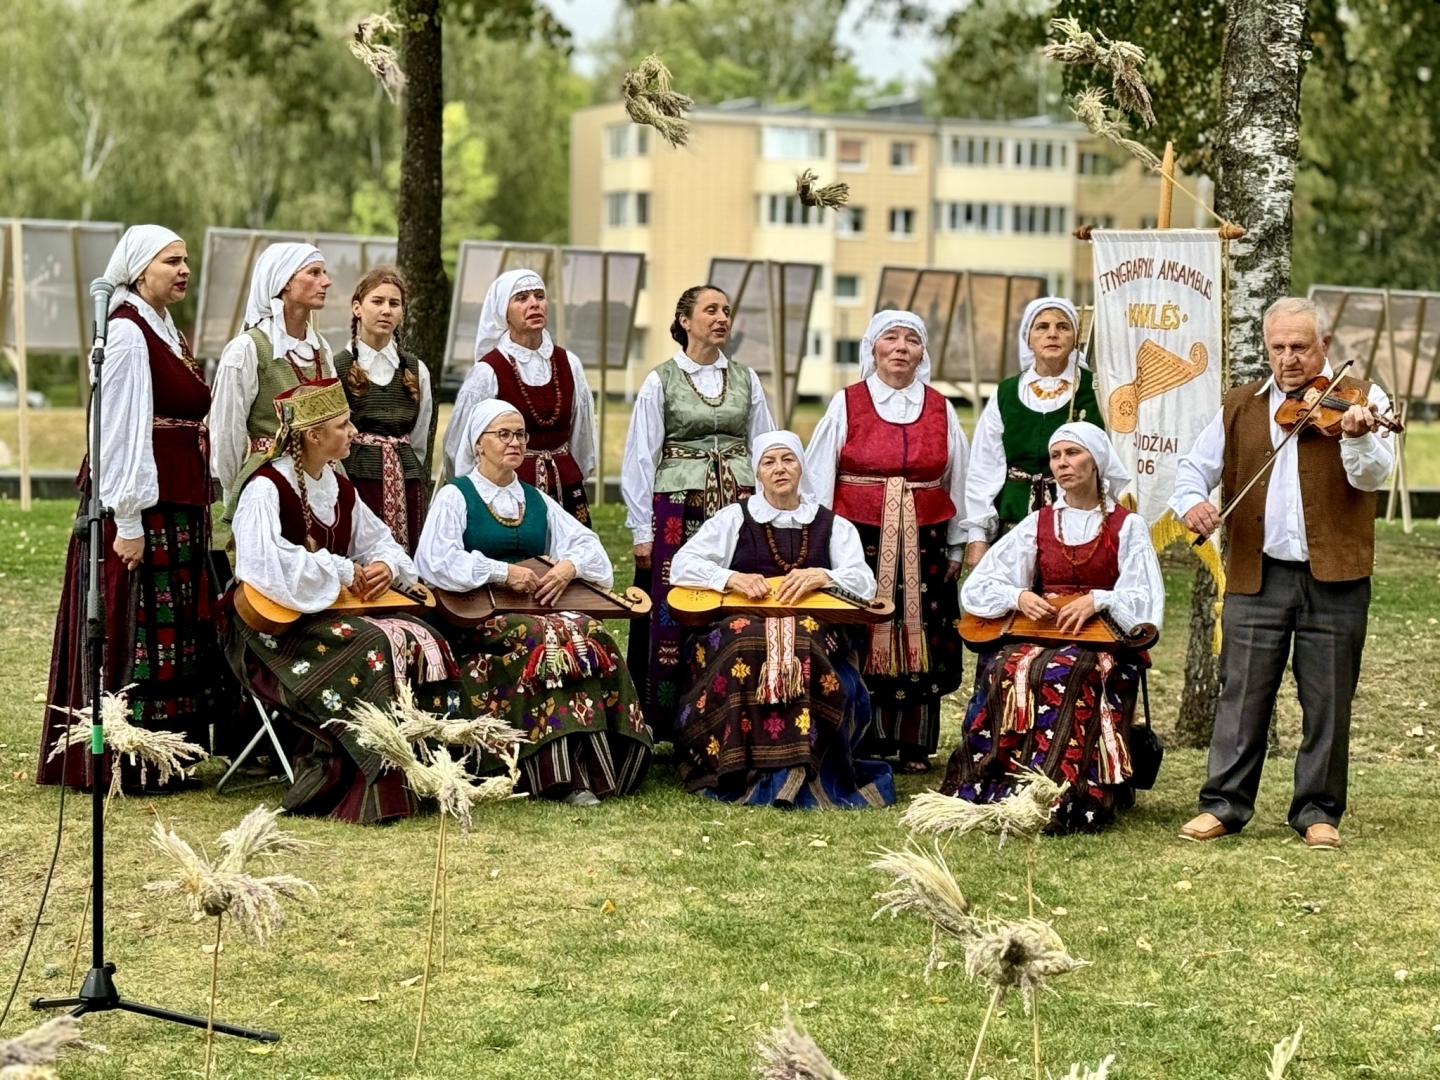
x: 296, y: 448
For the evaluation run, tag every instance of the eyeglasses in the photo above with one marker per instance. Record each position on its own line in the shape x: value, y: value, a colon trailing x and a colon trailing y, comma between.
x: 505, y: 435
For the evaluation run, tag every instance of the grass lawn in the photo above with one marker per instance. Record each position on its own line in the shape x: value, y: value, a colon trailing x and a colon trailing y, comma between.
x: 657, y: 935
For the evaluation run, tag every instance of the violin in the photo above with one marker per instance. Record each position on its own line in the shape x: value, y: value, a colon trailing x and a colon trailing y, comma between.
x: 1321, y: 405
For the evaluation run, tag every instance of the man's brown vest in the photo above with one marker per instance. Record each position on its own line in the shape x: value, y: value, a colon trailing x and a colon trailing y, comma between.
x: 1339, y: 519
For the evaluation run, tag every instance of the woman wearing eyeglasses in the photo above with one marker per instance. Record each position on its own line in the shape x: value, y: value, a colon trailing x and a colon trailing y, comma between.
x: 557, y: 678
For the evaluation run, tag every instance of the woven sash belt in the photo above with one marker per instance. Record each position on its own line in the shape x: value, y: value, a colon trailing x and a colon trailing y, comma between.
x: 1042, y: 487
x: 392, y: 482
x: 720, y: 487
x: 547, y: 473
x: 202, y: 433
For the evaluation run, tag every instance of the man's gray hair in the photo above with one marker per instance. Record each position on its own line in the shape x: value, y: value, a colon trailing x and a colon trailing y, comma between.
x: 1299, y: 305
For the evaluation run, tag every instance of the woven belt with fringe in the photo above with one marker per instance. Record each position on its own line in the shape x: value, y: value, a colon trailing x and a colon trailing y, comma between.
x: 202, y: 433
x: 392, y: 482
x: 546, y: 470
x: 720, y: 486
x: 261, y: 444
x: 899, y: 541
x: 1042, y: 487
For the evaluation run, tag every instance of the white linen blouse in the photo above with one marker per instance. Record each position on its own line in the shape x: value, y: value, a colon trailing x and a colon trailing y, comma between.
x: 380, y: 367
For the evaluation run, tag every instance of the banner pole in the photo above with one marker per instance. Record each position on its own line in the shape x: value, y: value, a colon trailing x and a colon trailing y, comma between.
x: 22, y: 380
x: 1167, y: 187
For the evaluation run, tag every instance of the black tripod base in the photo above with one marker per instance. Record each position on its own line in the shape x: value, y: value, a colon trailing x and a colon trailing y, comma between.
x: 98, y: 994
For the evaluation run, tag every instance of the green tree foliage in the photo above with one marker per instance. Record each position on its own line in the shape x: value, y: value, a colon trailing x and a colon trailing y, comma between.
x: 992, y: 67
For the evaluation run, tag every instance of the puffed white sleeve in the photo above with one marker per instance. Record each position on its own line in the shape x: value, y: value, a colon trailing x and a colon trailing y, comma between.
x: 584, y: 446
x: 1007, y: 570
x: 571, y: 540
x: 760, y: 420
x: 236, y: 384
x: 1139, y: 593
x: 986, y: 474
x: 703, y: 561
x: 420, y: 433
x: 440, y: 555
x: 372, y: 541
x: 1368, y: 458
x: 643, y: 443
x: 956, y: 469
x: 307, y: 581
x: 457, y: 459
x: 129, y: 482
x: 1198, y: 472
x: 822, y: 456
x: 848, y: 567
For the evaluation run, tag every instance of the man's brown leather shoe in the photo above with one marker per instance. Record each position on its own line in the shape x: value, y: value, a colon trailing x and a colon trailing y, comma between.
x: 1323, y: 837
x: 1204, y: 827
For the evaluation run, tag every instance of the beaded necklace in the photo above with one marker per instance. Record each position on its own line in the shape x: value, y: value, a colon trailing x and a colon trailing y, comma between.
x: 714, y: 402
x: 775, y: 549
x: 541, y: 421
x: 1094, y: 545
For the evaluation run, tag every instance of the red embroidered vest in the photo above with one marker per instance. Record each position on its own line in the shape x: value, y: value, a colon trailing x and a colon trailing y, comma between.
x: 537, y: 404
x: 1078, y: 568
x: 178, y: 392
x: 333, y: 538
x: 917, y: 451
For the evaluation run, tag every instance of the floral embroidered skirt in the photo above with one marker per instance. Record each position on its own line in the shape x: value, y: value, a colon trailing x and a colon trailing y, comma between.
x: 733, y: 744
x: 160, y: 636
x: 655, y: 644
x: 559, y: 680
x: 1065, y: 712
x: 319, y: 669
x: 907, y: 707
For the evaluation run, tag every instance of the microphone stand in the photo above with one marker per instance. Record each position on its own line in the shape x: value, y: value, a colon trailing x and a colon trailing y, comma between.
x: 98, y: 992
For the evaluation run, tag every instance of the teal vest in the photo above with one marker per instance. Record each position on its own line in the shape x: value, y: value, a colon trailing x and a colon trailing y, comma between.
x: 698, y: 434
x: 485, y: 533
x: 1027, y: 440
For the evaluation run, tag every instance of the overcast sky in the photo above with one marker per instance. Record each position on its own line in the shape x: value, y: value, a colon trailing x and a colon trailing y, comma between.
x: 878, y: 53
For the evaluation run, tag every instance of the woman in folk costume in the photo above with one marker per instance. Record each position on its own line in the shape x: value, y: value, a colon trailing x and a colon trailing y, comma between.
x: 301, y: 535
x: 278, y: 351
x: 1062, y: 711
x: 516, y: 361
x: 390, y: 406
x: 558, y: 678
x: 687, y: 454
x: 889, y: 455
x: 1009, y: 473
x: 776, y: 706
x: 155, y: 477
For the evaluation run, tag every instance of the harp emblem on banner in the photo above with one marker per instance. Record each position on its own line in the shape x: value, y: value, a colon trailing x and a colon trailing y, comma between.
x: 1157, y: 371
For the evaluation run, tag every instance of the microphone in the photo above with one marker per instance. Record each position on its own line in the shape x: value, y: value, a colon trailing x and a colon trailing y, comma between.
x: 101, y: 290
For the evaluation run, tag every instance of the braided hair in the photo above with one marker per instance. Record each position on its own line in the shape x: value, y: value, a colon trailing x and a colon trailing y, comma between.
x: 296, y: 448
x: 357, y: 383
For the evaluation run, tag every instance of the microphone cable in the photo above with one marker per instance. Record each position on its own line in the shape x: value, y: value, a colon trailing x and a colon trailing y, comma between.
x: 44, y: 897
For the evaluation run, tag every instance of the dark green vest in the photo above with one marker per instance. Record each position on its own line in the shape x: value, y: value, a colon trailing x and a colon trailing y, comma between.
x: 507, y: 543
x: 1027, y: 440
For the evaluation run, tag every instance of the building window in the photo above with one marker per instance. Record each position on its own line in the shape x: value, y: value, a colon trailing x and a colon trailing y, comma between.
x: 1099, y: 221
x: 850, y: 220
x: 847, y: 286
x: 902, y: 155
x: 902, y: 221
x: 626, y: 140
x: 1040, y: 219
x: 1092, y: 164
x: 783, y: 143
x: 817, y: 344
x: 617, y: 206
x: 637, y: 343
x: 852, y: 153
x: 642, y: 208
x: 1149, y: 223
x: 970, y: 150
x: 642, y: 140
x: 789, y: 210
x: 969, y: 217
x: 847, y: 351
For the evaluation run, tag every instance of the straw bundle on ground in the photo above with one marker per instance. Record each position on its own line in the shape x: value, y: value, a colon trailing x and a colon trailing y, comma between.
x: 29, y: 1055
x: 925, y: 886
x: 650, y: 101
x: 788, y: 1053
x: 164, y: 751
x: 1019, y: 955
x: 371, y: 46
x: 1024, y: 813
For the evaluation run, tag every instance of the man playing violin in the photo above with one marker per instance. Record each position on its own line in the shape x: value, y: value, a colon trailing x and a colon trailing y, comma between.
x: 1299, y: 556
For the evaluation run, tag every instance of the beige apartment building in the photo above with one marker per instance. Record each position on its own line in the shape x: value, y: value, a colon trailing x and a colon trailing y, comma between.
x: 952, y: 194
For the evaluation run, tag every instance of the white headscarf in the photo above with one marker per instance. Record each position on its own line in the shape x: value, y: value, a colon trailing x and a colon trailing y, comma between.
x: 882, y: 321
x: 493, y: 324
x: 772, y: 439
x: 1108, y: 465
x: 479, y: 418
x: 1027, y: 354
x: 139, y: 245
x: 276, y: 265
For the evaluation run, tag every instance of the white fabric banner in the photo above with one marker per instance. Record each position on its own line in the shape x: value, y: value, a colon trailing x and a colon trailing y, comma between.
x: 1156, y: 349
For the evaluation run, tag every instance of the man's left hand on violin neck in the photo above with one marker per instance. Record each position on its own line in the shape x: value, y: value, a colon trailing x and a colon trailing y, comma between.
x: 1358, y: 420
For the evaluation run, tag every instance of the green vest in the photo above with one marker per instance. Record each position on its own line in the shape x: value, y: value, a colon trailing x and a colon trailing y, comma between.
x: 485, y: 533
x: 696, y: 431
x: 1027, y: 439
x: 261, y: 422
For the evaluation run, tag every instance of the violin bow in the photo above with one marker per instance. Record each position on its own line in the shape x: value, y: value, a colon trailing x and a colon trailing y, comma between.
x: 1270, y: 458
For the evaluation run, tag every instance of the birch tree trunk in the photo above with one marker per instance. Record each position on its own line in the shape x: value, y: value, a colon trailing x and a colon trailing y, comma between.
x: 1258, y: 147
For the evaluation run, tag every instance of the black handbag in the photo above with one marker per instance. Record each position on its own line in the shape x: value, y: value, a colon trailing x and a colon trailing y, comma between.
x: 1146, y: 752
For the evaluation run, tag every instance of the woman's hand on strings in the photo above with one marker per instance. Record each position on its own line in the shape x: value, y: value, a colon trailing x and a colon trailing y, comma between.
x: 642, y: 556
x: 1202, y: 518
x: 800, y: 583
x: 1036, y: 607
x: 750, y: 586
x: 1075, y: 614
x: 549, y: 587
x: 372, y: 581
x: 130, y: 552
x: 522, y: 579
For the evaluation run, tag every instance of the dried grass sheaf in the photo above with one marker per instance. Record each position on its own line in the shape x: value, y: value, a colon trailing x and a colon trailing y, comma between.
x: 1019, y: 955
x: 164, y: 751
x: 924, y: 885
x: 789, y: 1053
x: 1090, y: 109
x: 29, y: 1055
x: 830, y: 196
x: 222, y: 886
x: 1024, y: 812
x: 1282, y: 1053
x: 371, y: 46
x: 650, y: 101
x: 1121, y: 59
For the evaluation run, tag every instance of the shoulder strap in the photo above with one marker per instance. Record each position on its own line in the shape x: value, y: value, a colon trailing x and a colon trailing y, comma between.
x: 264, y: 352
